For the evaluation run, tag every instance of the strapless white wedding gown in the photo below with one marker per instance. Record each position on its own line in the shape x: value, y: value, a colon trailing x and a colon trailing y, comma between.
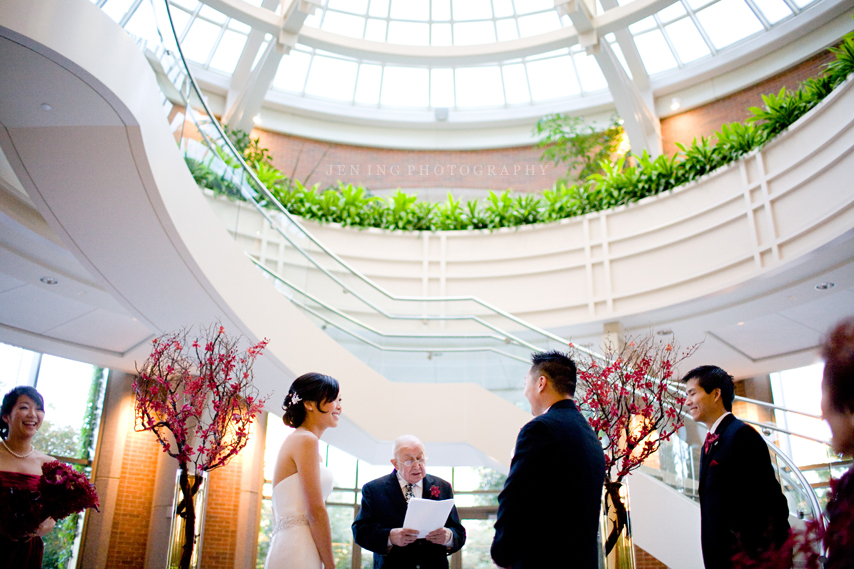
x: 291, y: 546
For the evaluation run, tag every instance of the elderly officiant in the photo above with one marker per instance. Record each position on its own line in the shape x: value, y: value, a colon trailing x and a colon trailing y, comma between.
x: 379, y: 525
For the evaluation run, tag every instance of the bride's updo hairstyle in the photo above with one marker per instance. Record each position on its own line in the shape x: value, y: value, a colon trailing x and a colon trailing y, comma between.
x: 312, y: 387
x: 11, y: 399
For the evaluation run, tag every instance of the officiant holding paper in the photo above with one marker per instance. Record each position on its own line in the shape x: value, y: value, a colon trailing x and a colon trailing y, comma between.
x: 379, y: 525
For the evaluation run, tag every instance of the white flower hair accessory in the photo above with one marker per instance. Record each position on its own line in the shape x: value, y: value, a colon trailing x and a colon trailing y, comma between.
x: 294, y: 399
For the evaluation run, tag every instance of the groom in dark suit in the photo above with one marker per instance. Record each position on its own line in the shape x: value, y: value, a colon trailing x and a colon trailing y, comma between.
x: 379, y: 525
x: 742, y: 508
x: 548, y: 512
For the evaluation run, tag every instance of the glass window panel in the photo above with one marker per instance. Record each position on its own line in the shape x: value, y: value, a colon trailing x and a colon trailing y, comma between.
x: 116, y: 9
x: 17, y: 366
x: 405, y: 87
x: 441, y: 10
x: 441, y: 88
x: 687, y: 41
x: 344, y: 24
x: 623, y: 2
x: 343, y: 467
x: 408, y: 33
x: 728, y: 21
x: 228, y: 51
x: 654, y: 52
x: 375, y: 30
x: 190, y: 5
x: 277, y: 432
x: 479, y: 87
x: 803, y: 3
x: 472, y: 10
x: 675, y: 10
x: 313, y: 21
x: 331, y: 78
x: 589, y: 72
x: 213, y: 15
x: 471, y: 33
x: 529, y: 6
x: 538, y: 23
x: 352, y: 6
x: 502, y: 8
x: 441, y: 35
x: 64, y: 386
x: 260, y: 52
x: 378, y: 9
x: 180, y: 18
x: 292, y: 71
x: 507, y: 29
x: 143, y: 24
x: 552, y: 78
x: 199, y: 41
x: 643, y: 25
x: 697, y: 4
x: 622, y: 58
x: 239, y: 26
x: 516, y: 84
x: 773, y: 10
x: 368, y: 87
x: 410, y: 9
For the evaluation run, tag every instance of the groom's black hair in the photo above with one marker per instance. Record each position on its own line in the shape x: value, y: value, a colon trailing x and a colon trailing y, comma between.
x: 558, y: 367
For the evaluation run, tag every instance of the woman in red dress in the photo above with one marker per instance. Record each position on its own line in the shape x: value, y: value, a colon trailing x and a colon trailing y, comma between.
x: 21, y: 416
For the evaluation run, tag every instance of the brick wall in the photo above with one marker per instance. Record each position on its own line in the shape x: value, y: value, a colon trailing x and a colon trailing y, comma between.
x: 644, y: 560
x: 129, y: 534
x: 220, y: 533
x: 705, y: 120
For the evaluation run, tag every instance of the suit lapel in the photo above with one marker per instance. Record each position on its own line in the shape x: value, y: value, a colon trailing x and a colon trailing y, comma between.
x: 426, y: 484
x: 395, y: 493
x: 706, y: 459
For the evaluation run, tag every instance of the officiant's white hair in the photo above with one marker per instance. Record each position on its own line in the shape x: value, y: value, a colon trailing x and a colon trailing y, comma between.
x: 406, y: 440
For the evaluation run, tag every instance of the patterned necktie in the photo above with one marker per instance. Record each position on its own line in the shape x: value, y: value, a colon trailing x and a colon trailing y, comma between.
x: 407, y: 492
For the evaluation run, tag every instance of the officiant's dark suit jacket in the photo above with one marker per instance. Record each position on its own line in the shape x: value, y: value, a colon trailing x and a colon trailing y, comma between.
x: 742, y: 507
x: 384, y: 508
x: 548, y: 512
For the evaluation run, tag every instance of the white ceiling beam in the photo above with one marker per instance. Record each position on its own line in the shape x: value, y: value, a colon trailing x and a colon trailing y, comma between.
x: 631, y: 55
x: 240, y: 77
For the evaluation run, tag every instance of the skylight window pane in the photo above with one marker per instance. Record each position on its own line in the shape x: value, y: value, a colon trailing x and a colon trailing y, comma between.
x: 410, y: 9
x: 471, y: 33
x: 516, y: 84
x: 368, y: 86
x: 344, y: 24
x: 228, y: 51
x: 332, y: 78
x: 353, y: 6
x: 728, y: 21
x: 552, y: 78
x: 180, y: 19
x: 803, y: 3
x: 441, y: 88
x: 375, y: 30
x: 441, y: 10
x: 313, y: 21
x: 529, y: 6
x: 189, y: 5
x: 199, y: 41
x: 472, y: 10
x: 654, y: 52
x: 507, y: 29
x: 675, y: 10
x: 589, y: 73
x: 642, y: 25
x: 116, y: 9
x: 441, y: 35
x: 213, y: 15
x: 142, y: 23
x: 773, y: 10
x: 538, y: 23
x: 479, y: 87
x: 687, y: 41
x: 378, y: 9
x: 502, y: 8
x: 408, y: 33
x: 292, y: 71
x: 697, y: 4
x: 405, y: 87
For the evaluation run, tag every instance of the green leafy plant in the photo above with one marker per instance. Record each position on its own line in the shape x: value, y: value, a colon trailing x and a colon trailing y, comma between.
x: 568, y: 140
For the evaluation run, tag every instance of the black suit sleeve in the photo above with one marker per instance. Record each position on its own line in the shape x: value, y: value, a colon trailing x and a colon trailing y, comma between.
x: 518, y: 496
x: 367, y: 531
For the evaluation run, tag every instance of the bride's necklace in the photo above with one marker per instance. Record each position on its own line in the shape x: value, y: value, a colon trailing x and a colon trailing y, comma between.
x: 32, y: 448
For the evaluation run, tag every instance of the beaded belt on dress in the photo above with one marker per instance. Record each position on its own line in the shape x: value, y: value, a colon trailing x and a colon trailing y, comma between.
x: 289, y: 522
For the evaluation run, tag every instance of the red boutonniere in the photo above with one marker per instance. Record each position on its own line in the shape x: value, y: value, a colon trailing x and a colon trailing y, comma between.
x: 434, y: 491
x: 711, y: 439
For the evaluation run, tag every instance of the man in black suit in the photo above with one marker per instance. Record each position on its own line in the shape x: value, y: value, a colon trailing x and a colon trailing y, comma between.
x: 742, y: 507
x: 548, y: 512
x: 379, y: 525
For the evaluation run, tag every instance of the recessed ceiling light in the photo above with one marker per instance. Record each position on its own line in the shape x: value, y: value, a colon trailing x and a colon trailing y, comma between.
x: 45, y: 107
x: 740, y: 324
x: 824, y: 286
x: 675, y: 103
x: 49, y: 280
x: 664, y: 332
x: 256, y: 119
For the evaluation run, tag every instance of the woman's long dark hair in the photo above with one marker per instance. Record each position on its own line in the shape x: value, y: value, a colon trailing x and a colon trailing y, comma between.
x: 11, y: 398
x: 314, y: 387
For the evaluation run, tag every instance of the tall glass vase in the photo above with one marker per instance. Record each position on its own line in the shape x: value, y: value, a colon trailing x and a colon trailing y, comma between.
x: 188, y: 515
x: 616, y: 527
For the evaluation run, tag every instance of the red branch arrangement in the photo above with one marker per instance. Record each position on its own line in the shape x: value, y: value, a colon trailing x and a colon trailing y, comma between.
x: 196, y: 395
x: 631, y: 401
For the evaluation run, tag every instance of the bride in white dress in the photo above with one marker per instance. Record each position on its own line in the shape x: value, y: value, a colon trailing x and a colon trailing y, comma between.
x: 302, y: 538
